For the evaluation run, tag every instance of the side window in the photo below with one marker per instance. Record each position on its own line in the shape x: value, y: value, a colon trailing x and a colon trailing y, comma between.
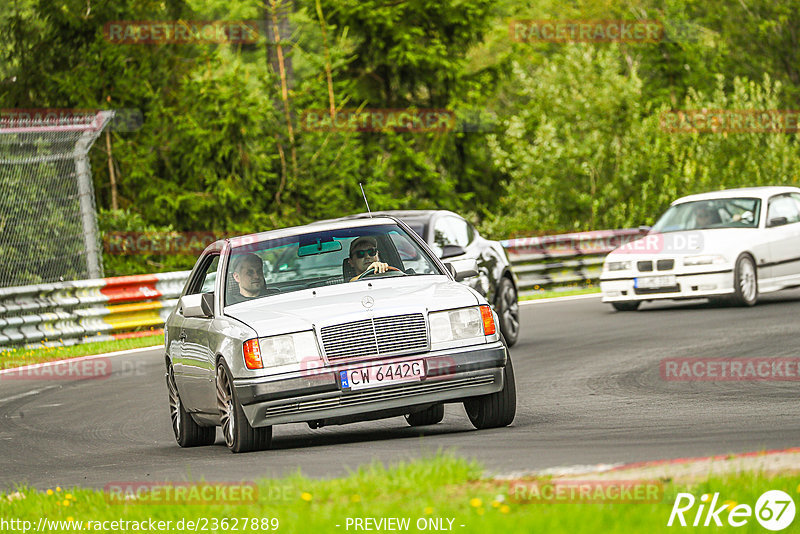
x: 471, y: 233
x: 206, y: 276
x: 783, y: 206
x: 451, y: 231
x: 460, y: 231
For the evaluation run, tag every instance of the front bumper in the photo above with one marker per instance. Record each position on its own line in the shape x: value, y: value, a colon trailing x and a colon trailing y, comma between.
x: 450, y: 375
x: 689, y: 286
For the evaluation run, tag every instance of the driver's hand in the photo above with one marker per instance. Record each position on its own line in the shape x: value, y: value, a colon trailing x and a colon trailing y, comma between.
x: 378, y: 267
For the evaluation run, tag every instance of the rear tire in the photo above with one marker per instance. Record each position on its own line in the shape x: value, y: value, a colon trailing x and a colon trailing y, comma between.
x: 186, y: 431
x: 239, y: 435
x: 630, y: 305
x: 508, y: 311
x: 495, y: 409
x: 431, y: 416
x: 745, y: 281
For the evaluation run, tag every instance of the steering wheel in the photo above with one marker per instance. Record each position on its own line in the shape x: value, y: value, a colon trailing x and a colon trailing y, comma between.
x: 371, y: 272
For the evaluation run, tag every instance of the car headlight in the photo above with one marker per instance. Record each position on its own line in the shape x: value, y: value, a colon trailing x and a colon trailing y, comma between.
x: 690, y: 261
x: 619, y: 265
x: 280, y: 350
x: 461, y: 324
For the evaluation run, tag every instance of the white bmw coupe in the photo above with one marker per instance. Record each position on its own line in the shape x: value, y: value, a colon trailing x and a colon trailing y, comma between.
x: 727, y: 245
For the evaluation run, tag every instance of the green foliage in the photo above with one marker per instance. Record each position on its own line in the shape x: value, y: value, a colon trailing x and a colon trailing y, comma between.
x: 588, y: 150
x: 132, y: 223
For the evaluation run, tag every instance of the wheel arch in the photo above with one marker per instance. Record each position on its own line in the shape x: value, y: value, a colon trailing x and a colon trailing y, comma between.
x: 507, y: 273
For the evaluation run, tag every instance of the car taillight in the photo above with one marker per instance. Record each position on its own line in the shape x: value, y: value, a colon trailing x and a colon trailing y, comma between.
x: 252, y: 354
x: 488, y: 321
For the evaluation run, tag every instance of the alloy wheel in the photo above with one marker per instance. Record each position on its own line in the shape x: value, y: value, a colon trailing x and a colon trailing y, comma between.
x: 225, y: 405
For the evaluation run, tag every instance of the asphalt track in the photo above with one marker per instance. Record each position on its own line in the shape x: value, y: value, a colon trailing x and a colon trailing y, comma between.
x: 589, y: 392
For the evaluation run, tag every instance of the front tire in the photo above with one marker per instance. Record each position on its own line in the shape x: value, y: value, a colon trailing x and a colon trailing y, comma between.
x: 186, y: 431
x: 745, y: 281
x: 239, y: 435
x: 495, y: 409
x: 623, y: 306
x: 508, y: 311
x: 431, y: 416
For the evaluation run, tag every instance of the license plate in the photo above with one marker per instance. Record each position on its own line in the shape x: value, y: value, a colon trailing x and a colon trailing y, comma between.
x: 381, y: 375
x: 655, y: 282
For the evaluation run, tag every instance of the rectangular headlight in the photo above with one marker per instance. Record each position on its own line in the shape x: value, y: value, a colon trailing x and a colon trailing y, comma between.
x: 619, y: 265
x: 455, y: 325
x: 288, y: 349
x: 690, y: 261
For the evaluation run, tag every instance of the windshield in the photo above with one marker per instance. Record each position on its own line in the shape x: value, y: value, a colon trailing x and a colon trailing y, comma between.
x: 709, y: 214
x: 321, y: 259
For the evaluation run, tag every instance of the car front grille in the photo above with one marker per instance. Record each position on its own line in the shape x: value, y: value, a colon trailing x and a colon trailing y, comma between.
x: 665, y: 265
x: 655, y: 290
x: 379, y: 336
x: 644, y: 266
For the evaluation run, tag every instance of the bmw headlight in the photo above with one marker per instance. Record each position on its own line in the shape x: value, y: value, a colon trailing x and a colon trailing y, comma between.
x: 275, y: 351
x: 619, y: 265
x: 454, y: 326
x: 690, y: 261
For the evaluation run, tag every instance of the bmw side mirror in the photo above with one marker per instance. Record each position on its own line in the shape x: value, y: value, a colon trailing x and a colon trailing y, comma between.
x: 644, y: 229
x: 778, y: 221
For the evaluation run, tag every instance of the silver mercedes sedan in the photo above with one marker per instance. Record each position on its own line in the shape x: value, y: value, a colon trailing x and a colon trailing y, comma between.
x: 330, y: 323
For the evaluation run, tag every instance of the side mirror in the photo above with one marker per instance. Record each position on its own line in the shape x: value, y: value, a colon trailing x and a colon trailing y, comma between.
x: 451, y: 251
x: 465, y: 269
x: 778, y: 221
x: 643, y: 229
x: 199, y: 305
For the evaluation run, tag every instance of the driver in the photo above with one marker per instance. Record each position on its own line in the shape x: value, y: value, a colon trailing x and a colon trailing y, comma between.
x: 248, y: 271
x: 364, y: 256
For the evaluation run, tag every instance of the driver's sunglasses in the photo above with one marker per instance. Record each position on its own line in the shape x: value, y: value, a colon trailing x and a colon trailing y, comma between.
x: 365, y: 252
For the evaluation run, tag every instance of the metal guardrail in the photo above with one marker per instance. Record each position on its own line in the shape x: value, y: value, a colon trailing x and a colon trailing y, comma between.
x: 66, y: 313
x: 564, y: 261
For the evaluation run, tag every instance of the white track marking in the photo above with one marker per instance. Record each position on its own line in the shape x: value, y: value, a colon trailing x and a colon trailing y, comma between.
x: 560, y: 299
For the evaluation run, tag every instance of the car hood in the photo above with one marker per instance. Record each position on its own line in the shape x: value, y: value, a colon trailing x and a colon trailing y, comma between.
x: 725, y: 241
x: 352, y: 301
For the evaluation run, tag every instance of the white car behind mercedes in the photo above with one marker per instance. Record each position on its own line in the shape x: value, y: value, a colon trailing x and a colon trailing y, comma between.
x: 726, y: 245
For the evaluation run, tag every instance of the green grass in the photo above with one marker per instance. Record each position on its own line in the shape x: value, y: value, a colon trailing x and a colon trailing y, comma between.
x: 567, y: 293
x: 438, y: 487
x: 18, y: 357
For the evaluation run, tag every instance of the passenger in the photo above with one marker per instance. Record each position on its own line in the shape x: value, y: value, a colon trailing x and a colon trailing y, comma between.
x: 705, y: 217
x: 364, y: 256
x: 248, y: 272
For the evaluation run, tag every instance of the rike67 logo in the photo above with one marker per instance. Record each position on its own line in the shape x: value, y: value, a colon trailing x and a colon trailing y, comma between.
x: 774, y: 510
